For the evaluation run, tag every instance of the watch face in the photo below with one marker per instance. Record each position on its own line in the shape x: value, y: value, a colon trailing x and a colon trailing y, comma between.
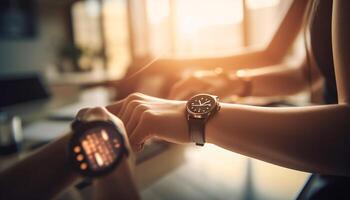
x: 201, y: 104
x: 96, y: 148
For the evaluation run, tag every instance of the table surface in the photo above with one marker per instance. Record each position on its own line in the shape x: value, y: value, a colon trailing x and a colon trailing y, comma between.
x: 211, y: 172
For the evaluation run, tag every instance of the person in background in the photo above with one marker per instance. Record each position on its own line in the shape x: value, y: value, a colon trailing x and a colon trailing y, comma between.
x: 268, y: 72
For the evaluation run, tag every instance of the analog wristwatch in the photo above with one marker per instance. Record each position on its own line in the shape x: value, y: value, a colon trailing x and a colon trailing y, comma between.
x: 96, y: 147
x: 199, y: 109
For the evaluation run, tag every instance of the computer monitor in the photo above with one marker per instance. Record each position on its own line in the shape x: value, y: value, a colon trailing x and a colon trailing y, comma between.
x: 16, y: 89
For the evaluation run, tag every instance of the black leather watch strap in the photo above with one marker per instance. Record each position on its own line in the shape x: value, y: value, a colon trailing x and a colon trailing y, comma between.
x: 197, y: 130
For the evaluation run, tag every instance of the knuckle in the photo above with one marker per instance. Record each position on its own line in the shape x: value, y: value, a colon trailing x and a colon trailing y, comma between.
x: 133, y: 105
x: 141, y: 107
x: 135, y: 96
x: 147, y: 113
x: 135, y: 102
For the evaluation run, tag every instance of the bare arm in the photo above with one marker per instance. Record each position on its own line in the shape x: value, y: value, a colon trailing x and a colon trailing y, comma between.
x: 41, y: 175
x: 273, y: 54
x: 47, y: 172
x: 282, y: 80
x: 341, y: 48
x: 313, y: 139
x: 277, y: 80
x: 118, y: 185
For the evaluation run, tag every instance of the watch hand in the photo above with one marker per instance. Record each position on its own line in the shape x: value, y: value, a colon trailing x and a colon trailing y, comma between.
x: 206, y: 102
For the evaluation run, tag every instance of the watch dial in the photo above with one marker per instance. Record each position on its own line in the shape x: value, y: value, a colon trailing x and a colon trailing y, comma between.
x: 201, y: 104
x: 98, y: 149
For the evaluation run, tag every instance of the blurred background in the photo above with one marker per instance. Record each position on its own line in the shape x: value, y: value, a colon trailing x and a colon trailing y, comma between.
x: 59, y: 56
x: 59, y: 37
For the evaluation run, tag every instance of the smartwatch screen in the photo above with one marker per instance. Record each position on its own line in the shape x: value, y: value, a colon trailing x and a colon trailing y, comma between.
x: 96, y: 148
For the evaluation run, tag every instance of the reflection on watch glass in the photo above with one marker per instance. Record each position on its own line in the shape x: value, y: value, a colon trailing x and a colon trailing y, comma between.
x: 201, y: 104
x: 100, y: 148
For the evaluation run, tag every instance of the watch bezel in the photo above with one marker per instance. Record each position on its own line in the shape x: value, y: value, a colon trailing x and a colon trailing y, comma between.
x: 79, y: 129
x: 206, y: 114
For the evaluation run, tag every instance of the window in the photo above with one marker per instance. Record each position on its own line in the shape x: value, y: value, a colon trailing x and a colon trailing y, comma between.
x: 171, y: 28
x: 101, y: 29
x: 192, y: 28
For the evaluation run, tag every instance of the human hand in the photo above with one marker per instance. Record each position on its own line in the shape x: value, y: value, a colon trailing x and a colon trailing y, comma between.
x: 101, y: 113
x: 122, y: 177
x: 210, y: 81
x: 146, y: 117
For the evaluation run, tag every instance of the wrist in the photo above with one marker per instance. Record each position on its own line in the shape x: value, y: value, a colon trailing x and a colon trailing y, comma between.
x: 213, y: 127
x: 121, y: 171
x: 66, y: 154
x: 200, y: 109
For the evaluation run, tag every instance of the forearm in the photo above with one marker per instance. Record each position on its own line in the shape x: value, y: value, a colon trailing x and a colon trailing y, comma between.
x: 41, y: 175
x: 119, y: 183
x: 246, y: 59
x: 273, y: 54
x: 278, y: 80
x: 311, y: 139
x: 341, y: 48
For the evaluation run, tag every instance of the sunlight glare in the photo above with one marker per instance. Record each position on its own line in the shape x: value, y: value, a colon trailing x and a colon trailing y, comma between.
x: 157, y: 10
x: 194, y: 15
x: 259, y: 4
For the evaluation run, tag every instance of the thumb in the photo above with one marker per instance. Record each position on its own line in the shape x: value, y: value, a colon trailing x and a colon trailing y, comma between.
x: 139, y: 136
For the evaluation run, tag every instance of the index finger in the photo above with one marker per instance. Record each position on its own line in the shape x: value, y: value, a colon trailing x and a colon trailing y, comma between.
x: 115, y: 107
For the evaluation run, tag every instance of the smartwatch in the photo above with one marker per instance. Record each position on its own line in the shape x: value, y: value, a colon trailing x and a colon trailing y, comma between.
x: 96, y: 147
x: 199, y: 109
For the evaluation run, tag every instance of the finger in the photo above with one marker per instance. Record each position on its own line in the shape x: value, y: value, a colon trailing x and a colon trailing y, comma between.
x: 135, y: 118
x: 115, y: 107
x: 129, y: 109
x: 131, y: 97
x: 81, y: 113
x: 139, y: 136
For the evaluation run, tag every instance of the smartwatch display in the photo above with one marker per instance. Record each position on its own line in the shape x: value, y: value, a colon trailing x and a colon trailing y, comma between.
x: 199, y: 109
x: 96, y: 147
